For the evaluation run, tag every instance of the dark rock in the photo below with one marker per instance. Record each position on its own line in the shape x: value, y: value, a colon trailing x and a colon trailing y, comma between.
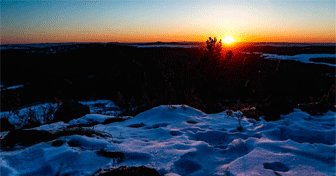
x: 137, y: 125
x: 276, y: 107
x: 317, y: 108
x: 252, y: 114
x: 128, y: 171
x: 57, y: 143
x: 26, y: 137
x: 6, y: 125
x: 330, y: 60
x: 32, y: 125
x: 191, y: 122
x: 70, y: 110
x: 74, y: 143
x: 112, y: 120
x: 117, y: 156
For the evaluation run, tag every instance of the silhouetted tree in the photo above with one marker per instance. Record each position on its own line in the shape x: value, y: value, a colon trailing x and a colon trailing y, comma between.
x: 213, y: 50
x: 212, y: 57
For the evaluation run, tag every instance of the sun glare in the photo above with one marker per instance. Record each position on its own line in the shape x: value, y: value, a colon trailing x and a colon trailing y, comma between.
x: 228, y: 40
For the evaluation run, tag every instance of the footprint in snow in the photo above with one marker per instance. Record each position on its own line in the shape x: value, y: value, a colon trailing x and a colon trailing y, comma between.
x: 276, y: 166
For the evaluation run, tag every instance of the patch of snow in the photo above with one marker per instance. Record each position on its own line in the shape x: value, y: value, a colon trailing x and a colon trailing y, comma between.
x: 57, y: 126
x: 89, y: 119
x: 106, y: 107
x: 304, y: 58
x: 12, y: 87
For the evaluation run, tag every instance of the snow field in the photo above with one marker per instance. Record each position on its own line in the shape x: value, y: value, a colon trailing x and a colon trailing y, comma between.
x: 181, y: 140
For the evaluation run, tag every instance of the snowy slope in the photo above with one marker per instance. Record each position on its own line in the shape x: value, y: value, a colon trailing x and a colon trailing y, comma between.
x: 185, y: 141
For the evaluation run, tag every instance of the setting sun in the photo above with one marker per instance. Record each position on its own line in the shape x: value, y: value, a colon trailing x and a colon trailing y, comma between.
x: 228, y: 40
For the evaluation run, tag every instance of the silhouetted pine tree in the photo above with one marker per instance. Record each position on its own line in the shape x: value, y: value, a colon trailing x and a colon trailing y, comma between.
x: 213, y: 50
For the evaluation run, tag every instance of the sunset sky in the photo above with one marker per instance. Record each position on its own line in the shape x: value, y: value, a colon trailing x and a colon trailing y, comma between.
x: 150, y: 21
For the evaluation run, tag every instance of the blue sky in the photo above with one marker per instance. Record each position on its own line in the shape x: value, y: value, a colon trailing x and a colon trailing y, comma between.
x: 138, y: 21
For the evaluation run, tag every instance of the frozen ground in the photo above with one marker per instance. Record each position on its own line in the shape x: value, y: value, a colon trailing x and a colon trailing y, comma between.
x: 181, y: 140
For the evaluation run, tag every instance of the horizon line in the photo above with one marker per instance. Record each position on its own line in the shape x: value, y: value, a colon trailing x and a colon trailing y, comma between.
x: 156, y: 42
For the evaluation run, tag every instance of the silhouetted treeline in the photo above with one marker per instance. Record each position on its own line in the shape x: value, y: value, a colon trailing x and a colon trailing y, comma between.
x: 147, y: 77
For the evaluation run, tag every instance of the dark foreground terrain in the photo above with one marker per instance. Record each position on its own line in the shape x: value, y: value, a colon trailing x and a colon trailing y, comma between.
x: 141, y: 78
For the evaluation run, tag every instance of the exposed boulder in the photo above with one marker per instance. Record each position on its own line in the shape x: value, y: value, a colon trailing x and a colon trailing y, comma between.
x: 70, y: 110
x: 6, y: 125
x: 276, y: 107
x: 128, y: 171
x: 26, y: 138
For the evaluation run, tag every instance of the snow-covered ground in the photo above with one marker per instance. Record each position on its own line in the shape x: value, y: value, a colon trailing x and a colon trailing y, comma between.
x: 304, y: 58
x: 181, y: 140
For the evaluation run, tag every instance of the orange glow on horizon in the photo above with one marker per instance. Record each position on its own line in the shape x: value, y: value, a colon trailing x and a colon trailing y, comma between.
x: 104, y: 37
